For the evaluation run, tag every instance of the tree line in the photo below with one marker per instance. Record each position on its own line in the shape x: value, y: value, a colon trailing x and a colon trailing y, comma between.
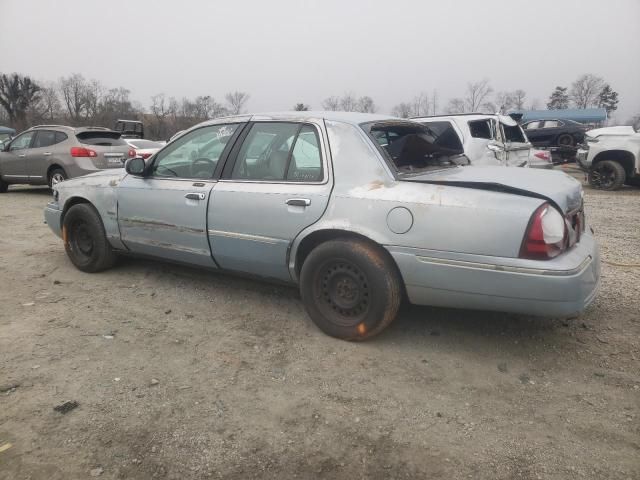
x: 76, y: 100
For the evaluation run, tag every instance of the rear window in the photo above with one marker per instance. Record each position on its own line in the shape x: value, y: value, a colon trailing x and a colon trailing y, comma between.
x: 103, y: 139
x: 412, y: 147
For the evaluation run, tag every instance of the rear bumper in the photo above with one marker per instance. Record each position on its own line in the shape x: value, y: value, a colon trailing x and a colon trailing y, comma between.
x: 541, y: 165
x: 85, y: 166
x: 52, y: 216
x: 559, y: 287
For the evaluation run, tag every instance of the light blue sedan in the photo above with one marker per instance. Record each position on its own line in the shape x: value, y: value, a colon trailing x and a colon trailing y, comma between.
x: 359, y: 210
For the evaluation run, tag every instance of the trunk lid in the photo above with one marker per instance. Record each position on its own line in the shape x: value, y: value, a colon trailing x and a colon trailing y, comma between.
x: 110, y: 148
x: 555, y: 186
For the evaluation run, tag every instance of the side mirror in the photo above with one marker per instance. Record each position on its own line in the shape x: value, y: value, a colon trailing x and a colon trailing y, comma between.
x: 135, y: 166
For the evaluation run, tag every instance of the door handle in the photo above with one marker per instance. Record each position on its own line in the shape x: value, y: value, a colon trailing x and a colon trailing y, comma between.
x: 299, y: 202
x: 195, y: 196
x: 47, y: 154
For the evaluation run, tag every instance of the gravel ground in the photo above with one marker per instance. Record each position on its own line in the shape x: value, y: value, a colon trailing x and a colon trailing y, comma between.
x: 183, y: 374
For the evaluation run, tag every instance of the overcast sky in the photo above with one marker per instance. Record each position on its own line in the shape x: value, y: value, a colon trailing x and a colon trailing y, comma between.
x: 287, y: 51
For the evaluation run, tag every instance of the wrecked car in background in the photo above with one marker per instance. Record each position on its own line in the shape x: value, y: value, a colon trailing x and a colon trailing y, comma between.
x: 358, y: 210
x: 611, y: 157
x: 485, y: 139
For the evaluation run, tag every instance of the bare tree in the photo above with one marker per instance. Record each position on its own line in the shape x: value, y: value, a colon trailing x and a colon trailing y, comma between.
x: 434, y: 102
x: 48, y: 108
x: 236, y: 102
x: 456, y: 105
x: 420, y: 105
x: 559, y: 99
x: 74, y: 94
x: 477, y: 93
x: 331, y: 103
x: 517, y: 98
x: 585, y: 91
x: 366, y: 105
x: 504, y: 101
x: 402, y: 110
x: 349, y: 102
x: 17, y: 94
x: 301, y: 107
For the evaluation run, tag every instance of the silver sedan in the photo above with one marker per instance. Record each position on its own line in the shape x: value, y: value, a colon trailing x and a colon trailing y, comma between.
x: 360, y: 211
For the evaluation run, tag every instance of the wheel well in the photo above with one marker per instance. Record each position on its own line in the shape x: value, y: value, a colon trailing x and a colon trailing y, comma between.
x: 623, y: 157
x: 70, y: 203
x: 316, y: 238
x: 53, y: 167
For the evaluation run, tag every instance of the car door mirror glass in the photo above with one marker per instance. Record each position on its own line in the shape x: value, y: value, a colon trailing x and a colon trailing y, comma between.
x: 135, y: 166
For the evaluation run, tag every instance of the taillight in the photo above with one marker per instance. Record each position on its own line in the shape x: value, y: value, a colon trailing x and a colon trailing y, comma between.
x: 132, y: 153
x: 543, y: 156
x: 145, y: 155
x: 83, y: 152
x: 546, y: 234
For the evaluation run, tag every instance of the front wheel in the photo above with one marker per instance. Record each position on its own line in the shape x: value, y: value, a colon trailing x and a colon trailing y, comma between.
x: 351, y: 289
x: 607, y: 175
x: 85, y: 239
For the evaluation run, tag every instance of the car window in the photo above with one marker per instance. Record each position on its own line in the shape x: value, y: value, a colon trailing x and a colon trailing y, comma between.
x: 551, y: 124
x: 21, y: 142
x: 532, y: 125
x: 267, y: 151
x: 44, y: 138
x: 483, y: 129
x: 101, y: 138
x: 61, y: 137
x: 444, y: 134
x: 513, y: 133
x: 194, y: 154
x: 306, y: 161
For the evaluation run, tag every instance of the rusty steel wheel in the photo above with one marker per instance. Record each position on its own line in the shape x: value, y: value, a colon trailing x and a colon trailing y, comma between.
x: 351, y: 288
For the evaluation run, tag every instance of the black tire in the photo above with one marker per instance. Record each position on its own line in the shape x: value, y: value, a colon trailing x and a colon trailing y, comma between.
x: 607, y: 175
x: 4, y: 186
x: 565, y: 140
x: 56, y: 175
x: 85, y: 240
x: 351, y: 289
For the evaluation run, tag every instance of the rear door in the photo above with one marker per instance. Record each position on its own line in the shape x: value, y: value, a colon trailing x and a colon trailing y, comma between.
x: 275, y: 184
x: 40, y: 154
x: 13, y: 162
x: 516, y: 146
x: 164, y: 213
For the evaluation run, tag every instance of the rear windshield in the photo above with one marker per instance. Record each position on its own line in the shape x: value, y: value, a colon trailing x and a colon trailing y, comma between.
x: 145, y: 144
x: 104, y: 139
x: 513, y: 134
x: 412, y: 147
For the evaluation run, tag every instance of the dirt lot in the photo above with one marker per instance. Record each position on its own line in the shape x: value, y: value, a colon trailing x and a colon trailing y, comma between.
x: 183, y: 374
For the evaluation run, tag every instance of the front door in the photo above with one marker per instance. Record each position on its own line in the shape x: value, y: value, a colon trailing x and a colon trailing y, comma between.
x: 14, y: 167
x: 275, y: 184
x: 164, y: 213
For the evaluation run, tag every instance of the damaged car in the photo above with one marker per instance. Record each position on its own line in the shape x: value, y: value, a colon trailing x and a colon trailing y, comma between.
x: 492, y: 140
x: 611, y: 157
x: 360, y: 211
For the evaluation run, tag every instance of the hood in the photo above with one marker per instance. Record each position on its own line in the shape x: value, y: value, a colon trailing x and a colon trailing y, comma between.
x: 555, y: 186
x: 621, y: 130
x: 101, y: 178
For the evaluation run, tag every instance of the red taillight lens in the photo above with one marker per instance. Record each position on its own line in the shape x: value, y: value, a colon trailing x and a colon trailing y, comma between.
x: 546, y: 234
x: 83, y: 152
x: 145, y: 155
x: 543, y: 156
x: 132, y: 153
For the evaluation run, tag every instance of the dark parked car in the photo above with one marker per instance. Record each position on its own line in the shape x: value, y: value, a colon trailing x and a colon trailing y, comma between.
x: 554, y: 133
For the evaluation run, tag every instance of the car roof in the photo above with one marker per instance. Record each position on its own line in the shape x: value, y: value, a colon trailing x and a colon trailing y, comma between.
x: 455, y: 116
x: 354, y: 118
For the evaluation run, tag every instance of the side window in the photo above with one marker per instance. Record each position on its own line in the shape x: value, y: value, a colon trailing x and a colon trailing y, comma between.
x: 21, y: 142
x: 195, y: 154
x: 482, y: 129
x: 551, y: 124
x: 445, y: 135
x: 306, y: 161
x: 44, y: 138
x: 265, y: 153
x: 61, y: 137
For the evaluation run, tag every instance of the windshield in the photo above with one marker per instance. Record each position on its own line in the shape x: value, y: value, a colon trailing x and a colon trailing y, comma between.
x: 414, y: 148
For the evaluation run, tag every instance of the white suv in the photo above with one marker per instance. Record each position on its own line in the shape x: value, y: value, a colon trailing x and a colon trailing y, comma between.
x: 485, y: 139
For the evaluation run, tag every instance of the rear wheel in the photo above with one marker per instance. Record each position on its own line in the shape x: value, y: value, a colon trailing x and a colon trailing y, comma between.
x: 85, y: 239
x: 56, y: 176
x: 4, y: 186
x: 565, y: 140
x: 607, y: 175
x: 350, y: 288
